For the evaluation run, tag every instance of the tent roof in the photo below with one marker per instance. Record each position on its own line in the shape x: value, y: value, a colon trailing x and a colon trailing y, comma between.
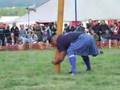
x: 86, y: 9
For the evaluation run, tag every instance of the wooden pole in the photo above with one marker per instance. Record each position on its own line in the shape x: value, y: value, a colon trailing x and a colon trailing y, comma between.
x: 60, y: 16
x: 59, y: 26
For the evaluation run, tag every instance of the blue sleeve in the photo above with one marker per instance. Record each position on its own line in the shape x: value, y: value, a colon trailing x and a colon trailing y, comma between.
x: 60, y: 47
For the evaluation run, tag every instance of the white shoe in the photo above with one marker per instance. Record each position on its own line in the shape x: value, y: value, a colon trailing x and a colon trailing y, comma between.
x: 73, y: 74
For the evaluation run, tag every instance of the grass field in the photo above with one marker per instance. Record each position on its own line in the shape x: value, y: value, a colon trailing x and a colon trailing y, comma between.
x: 32, y: 70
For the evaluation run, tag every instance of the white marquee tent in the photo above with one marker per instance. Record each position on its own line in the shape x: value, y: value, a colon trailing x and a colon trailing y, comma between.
x: 86, y: 9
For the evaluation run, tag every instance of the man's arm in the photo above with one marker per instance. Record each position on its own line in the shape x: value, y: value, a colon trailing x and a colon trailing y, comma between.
x: 59, y: 57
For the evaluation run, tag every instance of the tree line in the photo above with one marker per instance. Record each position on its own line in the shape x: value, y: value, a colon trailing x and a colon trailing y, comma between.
x: 13, y: 11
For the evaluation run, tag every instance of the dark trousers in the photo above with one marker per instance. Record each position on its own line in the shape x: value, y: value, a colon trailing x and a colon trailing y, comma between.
x: 16, y: 39
x: 9, y: 40
x: 87, y: 62
x: 2, y: 41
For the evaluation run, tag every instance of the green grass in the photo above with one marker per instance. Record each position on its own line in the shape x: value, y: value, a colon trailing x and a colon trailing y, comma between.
x: 32, y: 70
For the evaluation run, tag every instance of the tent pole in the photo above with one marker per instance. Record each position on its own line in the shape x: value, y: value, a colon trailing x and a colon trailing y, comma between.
x: 59, y: 26
x: 75, y: 10
x: 28, y: 17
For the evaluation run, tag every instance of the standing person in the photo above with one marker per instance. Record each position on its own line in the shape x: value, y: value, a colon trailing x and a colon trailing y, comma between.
x: 2, y: 37
x: 72, y: 44
x: 80, y: 28
x: 53, y: 29
x: 46, y: 32
x: 105, y: 31
x: 22, y: 34
x: 15, y: 32
x: 7, y: 34
x: 66, y: 28
x: 38, y: 32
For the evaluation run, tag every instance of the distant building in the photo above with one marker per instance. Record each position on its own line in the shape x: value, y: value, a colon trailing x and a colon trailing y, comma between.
x: 8, y: 19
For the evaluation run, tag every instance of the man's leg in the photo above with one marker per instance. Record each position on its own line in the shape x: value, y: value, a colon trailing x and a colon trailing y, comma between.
x: 87, y: 62
x: 77, y: 46
x: 15, y: 40
x: 72, y: 60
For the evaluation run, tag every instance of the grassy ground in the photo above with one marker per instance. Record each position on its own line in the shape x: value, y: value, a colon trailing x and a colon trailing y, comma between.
x: 32, y: 70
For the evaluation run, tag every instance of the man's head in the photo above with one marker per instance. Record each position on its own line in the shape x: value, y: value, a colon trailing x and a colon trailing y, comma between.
x: 14, y: 24
x: 53, y: 40
x: 22, y: 27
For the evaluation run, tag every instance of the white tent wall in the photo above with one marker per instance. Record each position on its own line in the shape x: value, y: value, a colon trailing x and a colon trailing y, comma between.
x: 24, y: 19
x: 47, y: 12
x: 86, y: 9
x: 98, y: 9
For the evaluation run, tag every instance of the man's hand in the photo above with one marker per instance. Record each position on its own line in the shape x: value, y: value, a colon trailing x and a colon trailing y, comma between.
x: 56, y: 62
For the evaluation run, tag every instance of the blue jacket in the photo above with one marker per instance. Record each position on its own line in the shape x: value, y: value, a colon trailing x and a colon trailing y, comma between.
x: 85, y: 45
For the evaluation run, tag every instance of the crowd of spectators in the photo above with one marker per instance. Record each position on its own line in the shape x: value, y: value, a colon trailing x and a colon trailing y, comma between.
x: 102, y: 31
x: 26, y: 34
x: 22, y: 34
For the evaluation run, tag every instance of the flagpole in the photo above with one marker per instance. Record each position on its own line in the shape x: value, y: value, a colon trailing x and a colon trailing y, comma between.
x: 59, y: 26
